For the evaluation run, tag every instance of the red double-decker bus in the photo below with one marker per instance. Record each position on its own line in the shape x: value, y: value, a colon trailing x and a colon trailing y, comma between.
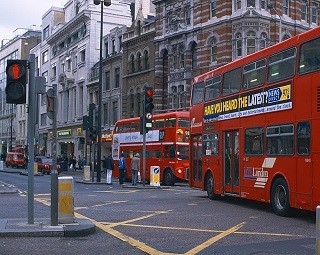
x: 167, y: 145
x: 255, y: 126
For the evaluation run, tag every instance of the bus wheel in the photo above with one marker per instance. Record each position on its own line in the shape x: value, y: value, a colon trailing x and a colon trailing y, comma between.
x: 280, y: 197
x: 209, y: 187
x: 168, y: 178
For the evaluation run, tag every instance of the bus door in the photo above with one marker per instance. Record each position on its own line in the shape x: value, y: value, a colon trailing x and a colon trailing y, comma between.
x: 231, y: 162
x: 196, y: 161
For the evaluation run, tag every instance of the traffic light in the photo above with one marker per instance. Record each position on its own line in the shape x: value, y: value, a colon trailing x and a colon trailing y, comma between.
x: 148, y: 107
x: 93, y: 134
x: 16, y: 88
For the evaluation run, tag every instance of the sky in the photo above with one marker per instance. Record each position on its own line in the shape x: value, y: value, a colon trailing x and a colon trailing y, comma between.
x: 23, y: 14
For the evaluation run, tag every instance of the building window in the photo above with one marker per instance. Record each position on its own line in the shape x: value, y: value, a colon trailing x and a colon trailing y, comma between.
x: 45, y: 75
x: 117, y: 77
x: 139, y: 62
x: 113, y: 46
x: 263, y: 41
x: 238, y: 45
x: 188, y: 15
x: 181, y: 56
x: 174, y: 97
x: 45, y: 32
x: 43, y: 121
x: 54, y: 71
x: 238, y: 4
x: 83, y: 55
x: 304, y: 10
x: 194, y: 56
x: 45, y: 56
x: 263, y: 4
x: 114, y: 112
x: 106, y: 46
x: 213, y: 50
x: 132, y: 64
x: 107, y: 75
x: 213, y: 8
x: 180, y: 97
x: 146, y: 59
x: 68, y: 64
x: 285, y: 7
x: 251, y: 3
x: 314, y: 13
x: 120, y: 43
x: 251, y: 42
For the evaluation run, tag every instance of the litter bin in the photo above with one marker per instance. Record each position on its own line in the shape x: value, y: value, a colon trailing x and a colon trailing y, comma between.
x: 86, y: 173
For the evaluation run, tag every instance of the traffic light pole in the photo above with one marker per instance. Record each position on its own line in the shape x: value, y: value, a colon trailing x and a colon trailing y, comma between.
x: 54, y: 172
x: 144, y: 146
x: 30, y: 138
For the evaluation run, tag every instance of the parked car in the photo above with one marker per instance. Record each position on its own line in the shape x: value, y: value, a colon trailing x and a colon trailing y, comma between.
x: 15, y: 159
x: 45, y: 164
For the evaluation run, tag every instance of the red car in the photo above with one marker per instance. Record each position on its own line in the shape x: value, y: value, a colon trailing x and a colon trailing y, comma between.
x: 44, y: 164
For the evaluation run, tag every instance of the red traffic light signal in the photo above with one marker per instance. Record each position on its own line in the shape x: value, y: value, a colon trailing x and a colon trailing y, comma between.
x: 16, y: 81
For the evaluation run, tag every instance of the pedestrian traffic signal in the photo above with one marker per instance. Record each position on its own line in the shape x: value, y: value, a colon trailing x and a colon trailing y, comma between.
x: 148, y: 106
x: 16, y: 88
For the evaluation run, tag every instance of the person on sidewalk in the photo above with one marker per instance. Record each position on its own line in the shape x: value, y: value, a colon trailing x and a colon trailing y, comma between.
x: 109, y: 169
x: 135, y: 168
x: 122, y: 168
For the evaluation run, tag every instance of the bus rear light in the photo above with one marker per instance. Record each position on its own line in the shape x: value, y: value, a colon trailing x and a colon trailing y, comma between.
x: 179, y: 171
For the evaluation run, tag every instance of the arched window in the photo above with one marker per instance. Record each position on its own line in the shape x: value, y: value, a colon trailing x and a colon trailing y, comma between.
x: 213, y: 50
x: 194, y: 56
x: 132, y: 64
x: 263, y: 41
x: 251, y: 42
x: 139, y: 66
x: 238, y: 45
x: 146, y: 60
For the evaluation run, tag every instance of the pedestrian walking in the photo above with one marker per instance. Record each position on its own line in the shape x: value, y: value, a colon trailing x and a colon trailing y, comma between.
x: 135, y: 168
x: 109, y: 169
x: 122, y: 168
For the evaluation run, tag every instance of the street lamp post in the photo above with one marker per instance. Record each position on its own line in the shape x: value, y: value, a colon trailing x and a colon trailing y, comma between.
x: 106, y: 3
x: 270, y: 6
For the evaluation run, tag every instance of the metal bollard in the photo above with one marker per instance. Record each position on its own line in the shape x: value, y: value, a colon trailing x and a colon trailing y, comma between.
x: 66, y: 206
x: 318, y: 230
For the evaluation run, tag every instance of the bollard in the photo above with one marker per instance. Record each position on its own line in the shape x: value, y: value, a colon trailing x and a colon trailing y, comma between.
x: 35, y: 168
x: 155, y: 176
x: 66, y: 206
x: 318, y: 230
x: 1, y: 165
x: 86, y: 173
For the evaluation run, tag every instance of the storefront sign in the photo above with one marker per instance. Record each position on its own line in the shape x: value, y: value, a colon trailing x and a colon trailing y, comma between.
x: 63, y: 133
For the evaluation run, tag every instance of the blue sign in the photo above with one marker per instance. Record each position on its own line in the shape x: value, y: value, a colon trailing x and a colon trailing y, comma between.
x: 156, y: 170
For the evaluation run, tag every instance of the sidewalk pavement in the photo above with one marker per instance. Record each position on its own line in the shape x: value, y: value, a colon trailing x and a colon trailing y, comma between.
x: 40, y: 227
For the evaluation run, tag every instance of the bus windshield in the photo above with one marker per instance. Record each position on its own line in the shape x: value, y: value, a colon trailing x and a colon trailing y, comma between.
x: 183, y: 122
x: 197, y: 93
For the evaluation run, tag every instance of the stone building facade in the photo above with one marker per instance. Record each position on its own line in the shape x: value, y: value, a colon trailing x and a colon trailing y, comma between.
x: 193, y: 37
x: 138, y: 64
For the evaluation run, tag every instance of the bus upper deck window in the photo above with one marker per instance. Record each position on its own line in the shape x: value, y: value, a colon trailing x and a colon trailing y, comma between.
x: 197, y: 93
x: 309, y: 59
